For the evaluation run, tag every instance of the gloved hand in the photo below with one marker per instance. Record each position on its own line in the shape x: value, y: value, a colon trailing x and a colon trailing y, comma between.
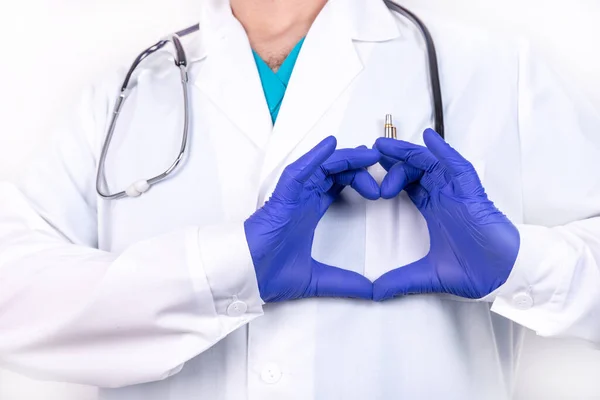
x: 280, y: 234
x: 473, y: 246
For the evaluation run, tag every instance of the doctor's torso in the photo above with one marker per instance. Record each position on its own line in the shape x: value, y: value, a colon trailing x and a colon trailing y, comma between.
x: 343, y: 84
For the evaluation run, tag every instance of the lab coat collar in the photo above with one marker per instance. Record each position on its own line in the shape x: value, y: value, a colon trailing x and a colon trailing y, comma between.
x: 363, y: 20
x: 228, y: 75
x: 366, y: 20
x: 327, y: 64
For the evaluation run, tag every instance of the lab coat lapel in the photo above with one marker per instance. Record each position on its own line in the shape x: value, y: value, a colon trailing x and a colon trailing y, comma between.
x: 327, y: 64
x: 229, y: 77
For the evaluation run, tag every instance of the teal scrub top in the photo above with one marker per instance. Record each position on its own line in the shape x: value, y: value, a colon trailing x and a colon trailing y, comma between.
x: 275, y: 83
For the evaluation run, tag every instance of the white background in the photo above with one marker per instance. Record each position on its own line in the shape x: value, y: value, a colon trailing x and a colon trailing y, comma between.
x: 51, y: 48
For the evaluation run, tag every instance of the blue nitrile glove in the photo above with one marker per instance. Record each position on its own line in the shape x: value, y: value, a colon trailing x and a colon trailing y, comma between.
x: 473, y: 246
x: 280, y: 234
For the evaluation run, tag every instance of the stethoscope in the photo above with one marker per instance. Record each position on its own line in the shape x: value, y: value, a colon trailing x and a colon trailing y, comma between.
x: 139, y: 187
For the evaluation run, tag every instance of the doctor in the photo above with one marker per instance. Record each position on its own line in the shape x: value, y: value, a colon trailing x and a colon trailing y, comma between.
x: 248, y: 274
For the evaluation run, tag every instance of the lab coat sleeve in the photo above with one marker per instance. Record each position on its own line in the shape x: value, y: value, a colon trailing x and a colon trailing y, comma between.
x: 554, y: 288
x: 70, y: 312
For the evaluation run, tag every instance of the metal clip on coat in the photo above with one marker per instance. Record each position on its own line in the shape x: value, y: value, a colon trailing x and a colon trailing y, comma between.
x: 390, y: 129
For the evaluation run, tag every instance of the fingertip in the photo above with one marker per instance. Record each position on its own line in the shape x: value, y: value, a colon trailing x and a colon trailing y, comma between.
x: 366, y: 185
x: 384, y: 145
x: 329, y: 142
x: 371, y: 153
x: 394, y: 147
x: 350, y: 159
x: 325, y: 149
x: 375, y: 156
x: 331, y: 139
x: 431, y: 137
x: 448, y: 156
x: 389, y: 190
x: 394, y: 182
x: 379, y: 142
x: 429, y: 132
x: 325, y: 146
x: 380, y: 292
x: 304, y: 167
x: 374, y: 191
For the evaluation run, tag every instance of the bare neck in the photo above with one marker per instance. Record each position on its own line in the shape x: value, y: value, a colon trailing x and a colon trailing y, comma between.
x: 275, y: 26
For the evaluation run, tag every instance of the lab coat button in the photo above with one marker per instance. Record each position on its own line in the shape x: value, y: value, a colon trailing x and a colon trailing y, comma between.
x: 271, y: 373
x: 237, y: 309
x: 522, y: 301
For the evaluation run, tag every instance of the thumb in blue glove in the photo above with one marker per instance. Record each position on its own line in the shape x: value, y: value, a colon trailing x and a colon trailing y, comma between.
x: 280, y: 234
x: 473, y: 246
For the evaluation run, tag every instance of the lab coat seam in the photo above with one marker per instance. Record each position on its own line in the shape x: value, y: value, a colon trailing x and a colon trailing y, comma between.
x: 519, y: 135
x: 200, y: 263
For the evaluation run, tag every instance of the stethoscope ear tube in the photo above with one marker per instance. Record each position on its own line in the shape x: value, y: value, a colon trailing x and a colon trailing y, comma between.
x: 434, y: 74
x: 141, y: 186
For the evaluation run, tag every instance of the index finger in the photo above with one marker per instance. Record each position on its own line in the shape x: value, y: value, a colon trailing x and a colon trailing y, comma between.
x: 454, y: 162
x: 305, y: 166
x: 412, y: 154
x: 349, y: 159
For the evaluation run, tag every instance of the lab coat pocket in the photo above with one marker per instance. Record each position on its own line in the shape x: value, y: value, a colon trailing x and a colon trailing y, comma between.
x: 396, y: 235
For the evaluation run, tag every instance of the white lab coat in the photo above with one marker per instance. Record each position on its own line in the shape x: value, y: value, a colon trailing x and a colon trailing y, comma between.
x: 133, y: 295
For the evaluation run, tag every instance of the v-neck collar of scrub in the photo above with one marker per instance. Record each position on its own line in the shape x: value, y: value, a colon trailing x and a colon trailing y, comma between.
x: 275, y: 83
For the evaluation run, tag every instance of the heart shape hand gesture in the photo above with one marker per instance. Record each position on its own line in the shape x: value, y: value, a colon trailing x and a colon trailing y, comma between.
x: 473, y: 246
